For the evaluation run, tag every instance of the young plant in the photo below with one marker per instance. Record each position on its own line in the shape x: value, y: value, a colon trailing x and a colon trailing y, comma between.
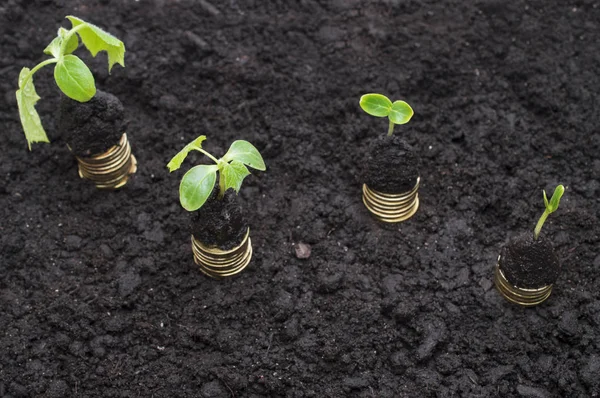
x: 551, y: 207
x: 398, y: 112
x: 198, y: 183
x: 71, y: 74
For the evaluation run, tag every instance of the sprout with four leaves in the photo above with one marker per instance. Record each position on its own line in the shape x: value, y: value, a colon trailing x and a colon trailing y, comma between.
x: 71, y: 74
x: 198, y: 183
x: 551, y: 207
x: 398, y: 112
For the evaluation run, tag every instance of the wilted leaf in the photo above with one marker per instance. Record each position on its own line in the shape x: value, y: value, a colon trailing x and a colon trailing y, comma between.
x: 26, y: 100
x: 96, y: 39
x: 178, y: 159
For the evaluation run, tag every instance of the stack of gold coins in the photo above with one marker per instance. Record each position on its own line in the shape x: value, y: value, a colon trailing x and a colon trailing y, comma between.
x: 518, y: 295
x: 218, y: 263
x: 392, y: 207
x: 111, y: 169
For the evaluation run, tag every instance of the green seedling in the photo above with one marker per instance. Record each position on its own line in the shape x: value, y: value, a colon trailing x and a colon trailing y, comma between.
x: 398, y: 112
x: 198, y: 183
x: 71, y: 74
x: 551, y: 207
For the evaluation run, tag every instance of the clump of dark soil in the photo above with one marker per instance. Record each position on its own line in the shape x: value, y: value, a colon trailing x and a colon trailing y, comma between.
x: 391, y: 165
x: 529, y: 263
x: 92, y: 127
x: 219, y: 222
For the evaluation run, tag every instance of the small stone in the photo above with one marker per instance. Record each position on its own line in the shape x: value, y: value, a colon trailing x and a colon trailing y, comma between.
x: 302, y: 251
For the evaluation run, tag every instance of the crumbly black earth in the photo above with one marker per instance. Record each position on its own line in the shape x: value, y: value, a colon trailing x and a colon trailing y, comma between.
x: 219, y: 222
x: 391, y: 165
x: 99, y: 293
x: 529, y: 263
x: 93, y: 127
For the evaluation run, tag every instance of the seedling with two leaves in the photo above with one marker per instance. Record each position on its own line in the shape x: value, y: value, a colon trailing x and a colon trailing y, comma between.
x: 398, y: 112
x: 551, y: 207
x: 198, y: 183
x: 71, y: 74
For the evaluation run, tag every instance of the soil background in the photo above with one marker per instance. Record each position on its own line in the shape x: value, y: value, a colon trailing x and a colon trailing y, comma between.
x: 100, y: 297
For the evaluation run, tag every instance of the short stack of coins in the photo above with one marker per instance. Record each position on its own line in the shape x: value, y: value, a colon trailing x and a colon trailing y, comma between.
x: 392, y: 208
x: 218, y: 263
x: 517, y: 295
x: 111, y: 169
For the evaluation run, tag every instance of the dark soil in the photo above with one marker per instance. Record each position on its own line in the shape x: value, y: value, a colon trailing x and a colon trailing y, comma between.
x: 93, y: 127
x: 391, y: 166
x: 99, y: 294
x: 529, y: 263
x: 219, y: 223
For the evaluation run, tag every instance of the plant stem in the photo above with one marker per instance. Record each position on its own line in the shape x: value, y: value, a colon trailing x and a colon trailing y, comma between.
x: 63, y: 45
x: 221, y: 180
x: 35, y: 69
x: 391, y: 129
x: 207, y: 154
x: 538, y: 227
x: 221, y: 186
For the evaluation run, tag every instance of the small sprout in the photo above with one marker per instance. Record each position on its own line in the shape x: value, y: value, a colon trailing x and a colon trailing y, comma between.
x: 398, y: 112
x: 198, y: 183
x: 71, y: 74
x: 551, y: 207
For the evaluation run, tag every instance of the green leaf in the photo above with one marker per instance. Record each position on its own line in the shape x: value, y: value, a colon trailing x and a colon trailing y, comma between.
x: 246, y: 153
x: 178, y: 159
x: 73, y: 41
x: 96, y: 39
x: 26, y: 100
x: 555, y: 200
x: 376, y: 104
x: 54, y: 47
x: 74, y: 78
x: 196, y: 186
x: 545, y: 198
x: 401, y: 112
x: 234, y: 173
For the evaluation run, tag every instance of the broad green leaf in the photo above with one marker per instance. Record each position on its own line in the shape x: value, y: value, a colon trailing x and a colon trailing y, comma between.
x: 26, y: 100
x: 234, y: 173
x: 555, y: 200
x: 196, y: 186
x: 401, y: 112
x: 74, y: 78
x: 376, y: 104
x: 178, y: 159
x: 246, y: 153
x: 96, y: 39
